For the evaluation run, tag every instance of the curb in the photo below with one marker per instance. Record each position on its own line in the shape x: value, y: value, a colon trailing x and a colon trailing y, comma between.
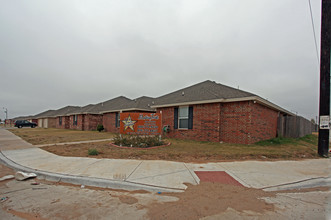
x: 82, y: 180
x: 302, y: 184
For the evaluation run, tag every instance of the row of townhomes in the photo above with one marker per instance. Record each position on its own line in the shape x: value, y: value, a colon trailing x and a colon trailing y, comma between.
x: 207, y: 111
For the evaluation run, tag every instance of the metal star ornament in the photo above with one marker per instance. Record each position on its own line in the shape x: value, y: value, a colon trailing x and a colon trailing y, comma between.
x: 128, y: 123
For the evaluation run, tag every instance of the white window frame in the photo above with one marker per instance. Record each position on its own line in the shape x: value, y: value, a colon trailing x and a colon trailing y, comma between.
x: 118, y: 119
x: 183, y: 117
x: 75, y: 120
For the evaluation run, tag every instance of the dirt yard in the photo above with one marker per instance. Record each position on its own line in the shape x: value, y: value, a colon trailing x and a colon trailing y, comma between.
x: 179, y: 150
x: 191, y: 151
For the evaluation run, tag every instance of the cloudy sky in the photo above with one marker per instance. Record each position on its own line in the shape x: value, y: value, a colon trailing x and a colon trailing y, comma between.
x: 58, y: 53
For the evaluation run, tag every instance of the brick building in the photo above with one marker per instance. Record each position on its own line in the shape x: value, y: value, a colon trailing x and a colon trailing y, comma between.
x: 112, y: 110
x: 45, y: 119
x: 206, y: 111
x: 85, y: 118
x: 209, y: 111
x: 63, y: 116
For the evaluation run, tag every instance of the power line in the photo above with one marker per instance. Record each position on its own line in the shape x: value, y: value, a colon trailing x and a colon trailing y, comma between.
x: 312, y: 23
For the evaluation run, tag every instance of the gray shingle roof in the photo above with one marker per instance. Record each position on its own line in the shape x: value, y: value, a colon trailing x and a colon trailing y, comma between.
x: 23, y: 117
x: 204, y: 91
x: 45, y: 114
x: 142, y: 103
x: 65, y: 111
x: 122, y: 103
x: 83, y: 110
x: 115, y: 104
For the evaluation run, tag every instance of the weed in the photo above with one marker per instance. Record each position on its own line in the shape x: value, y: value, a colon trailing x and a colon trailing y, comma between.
x: 311, y: 139
x: 93, y: 151
x: 277, y: 141
x: 100, y: 128
x: 138, y: 141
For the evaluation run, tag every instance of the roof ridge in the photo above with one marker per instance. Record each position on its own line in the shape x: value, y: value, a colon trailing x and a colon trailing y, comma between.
x: 185, y: 88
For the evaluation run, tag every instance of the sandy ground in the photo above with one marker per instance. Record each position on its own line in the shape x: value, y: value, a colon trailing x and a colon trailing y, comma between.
x: 50, y: 200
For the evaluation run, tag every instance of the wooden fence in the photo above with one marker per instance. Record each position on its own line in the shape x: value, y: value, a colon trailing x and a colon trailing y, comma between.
x: 294, y: 126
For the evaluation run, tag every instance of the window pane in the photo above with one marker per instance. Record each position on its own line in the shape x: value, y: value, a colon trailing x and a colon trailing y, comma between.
x: 183, y: 112
x: 183, y: 123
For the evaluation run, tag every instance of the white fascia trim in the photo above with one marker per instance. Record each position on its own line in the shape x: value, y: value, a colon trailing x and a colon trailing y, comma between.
x: 188, y: 103
x: 91, y: 113
x: 82, y: 113
x: 273, y: 106
x: 43, y: 117
x: 70, y: 114
x: 126, y: 110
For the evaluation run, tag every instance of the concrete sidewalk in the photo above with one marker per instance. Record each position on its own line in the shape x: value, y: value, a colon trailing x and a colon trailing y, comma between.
x: 158, y: 175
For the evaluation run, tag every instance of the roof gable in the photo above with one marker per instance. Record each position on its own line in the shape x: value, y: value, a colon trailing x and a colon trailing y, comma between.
x: 204, y: 91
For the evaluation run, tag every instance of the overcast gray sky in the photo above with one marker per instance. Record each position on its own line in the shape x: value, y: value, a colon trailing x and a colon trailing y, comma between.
x: 58, y: 53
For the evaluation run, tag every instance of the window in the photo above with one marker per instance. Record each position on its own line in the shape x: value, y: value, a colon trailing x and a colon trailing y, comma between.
x: 75, y: 119
x: 117, y: 120
x: 60, y: 120
x: 183, y: 117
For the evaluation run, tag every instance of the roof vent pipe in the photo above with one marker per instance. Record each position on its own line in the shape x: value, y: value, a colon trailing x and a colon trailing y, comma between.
x: 183, y: 93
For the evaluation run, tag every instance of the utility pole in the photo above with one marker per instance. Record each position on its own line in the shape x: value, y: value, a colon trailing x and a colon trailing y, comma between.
x: 324, y: 108
x: 6, y: 111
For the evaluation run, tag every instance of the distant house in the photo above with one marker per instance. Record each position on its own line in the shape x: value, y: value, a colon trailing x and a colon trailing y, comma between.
x: 85, y: 118
x: 28, y: 118
x: 63, y: 117
x: 112, y: 109
x: 45, y: 119
x: 209, y: 111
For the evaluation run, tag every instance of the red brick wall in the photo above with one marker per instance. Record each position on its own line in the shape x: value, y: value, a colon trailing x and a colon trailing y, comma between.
x: 235, y: 122
x: 108, y: 121
x: 206, y: 119
x: 264, y: 123
x: 91, y: 122
x: 247, y: 122
x: 65, y: 122
x: 51, y: 122
x: 79, y: 126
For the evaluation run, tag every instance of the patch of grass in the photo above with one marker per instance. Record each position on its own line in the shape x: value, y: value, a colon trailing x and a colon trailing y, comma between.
x: 93, y: 152
x: 311, y: 139
x: 277, y: 141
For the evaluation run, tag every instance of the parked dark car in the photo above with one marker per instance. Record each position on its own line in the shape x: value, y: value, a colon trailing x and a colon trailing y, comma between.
x: 24, y: 123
